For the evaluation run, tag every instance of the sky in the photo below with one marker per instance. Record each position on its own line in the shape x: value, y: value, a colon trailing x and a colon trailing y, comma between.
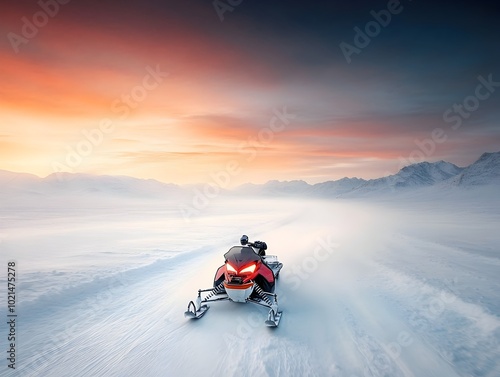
x: 186, y: 91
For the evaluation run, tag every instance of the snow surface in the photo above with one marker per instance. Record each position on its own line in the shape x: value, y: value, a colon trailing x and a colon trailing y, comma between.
x: 403, y: 285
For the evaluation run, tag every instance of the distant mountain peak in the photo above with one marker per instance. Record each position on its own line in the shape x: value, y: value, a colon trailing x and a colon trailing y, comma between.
x: 296, y: 182
x: 425, y: 173
x: 486, y: 170
x: 489, y: 156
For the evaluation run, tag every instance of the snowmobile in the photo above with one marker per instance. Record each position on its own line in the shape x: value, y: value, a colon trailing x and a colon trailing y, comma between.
x: 247, y: 275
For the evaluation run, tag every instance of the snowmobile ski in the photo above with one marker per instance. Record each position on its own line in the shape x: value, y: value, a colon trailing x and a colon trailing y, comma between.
x: 273, y: 319
x: 194, y: 313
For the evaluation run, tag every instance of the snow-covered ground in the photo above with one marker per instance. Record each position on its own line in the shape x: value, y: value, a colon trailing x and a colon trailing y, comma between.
x: 387, y: 287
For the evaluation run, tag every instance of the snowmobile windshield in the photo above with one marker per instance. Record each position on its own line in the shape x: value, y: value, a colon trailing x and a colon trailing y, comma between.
x: 239, y: 256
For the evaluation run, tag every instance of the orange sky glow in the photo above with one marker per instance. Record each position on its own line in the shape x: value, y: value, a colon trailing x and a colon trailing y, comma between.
x: 162, y: 99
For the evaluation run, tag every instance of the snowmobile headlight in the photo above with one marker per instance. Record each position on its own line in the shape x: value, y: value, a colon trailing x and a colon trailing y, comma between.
x: 231, y: 268
x: 250, y: 269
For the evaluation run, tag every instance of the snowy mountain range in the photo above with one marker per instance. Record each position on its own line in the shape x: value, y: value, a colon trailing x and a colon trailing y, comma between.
x: 84, y: 184
x: 418, y: 175
x: 485, y: 171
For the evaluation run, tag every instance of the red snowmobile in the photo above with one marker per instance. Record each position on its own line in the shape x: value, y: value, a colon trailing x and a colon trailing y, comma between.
x: 248, y: 275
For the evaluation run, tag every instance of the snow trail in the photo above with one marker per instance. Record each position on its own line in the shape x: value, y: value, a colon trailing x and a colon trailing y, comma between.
x: 367, y: 289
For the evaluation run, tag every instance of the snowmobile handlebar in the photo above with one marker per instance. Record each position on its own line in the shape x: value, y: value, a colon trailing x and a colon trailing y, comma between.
x: 258, y: 244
